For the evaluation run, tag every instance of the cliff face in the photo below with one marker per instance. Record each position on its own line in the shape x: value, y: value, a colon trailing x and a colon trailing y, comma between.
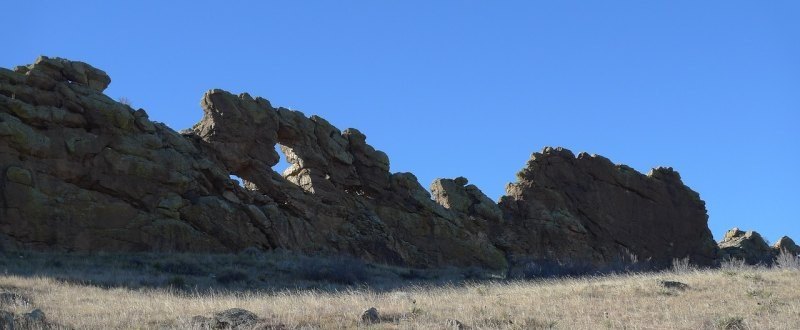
x: 81, y: 172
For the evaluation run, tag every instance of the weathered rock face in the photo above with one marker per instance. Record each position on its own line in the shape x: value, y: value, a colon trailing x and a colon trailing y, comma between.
x: 587, y: 209
x: 81, y: 172
x: 338, y: 193
x: 786, y: 244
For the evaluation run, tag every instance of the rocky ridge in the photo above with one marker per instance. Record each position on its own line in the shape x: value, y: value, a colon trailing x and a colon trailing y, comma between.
x: 82, y: 172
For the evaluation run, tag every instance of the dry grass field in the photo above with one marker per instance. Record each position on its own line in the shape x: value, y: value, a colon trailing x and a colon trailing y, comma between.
x: 733, y: 297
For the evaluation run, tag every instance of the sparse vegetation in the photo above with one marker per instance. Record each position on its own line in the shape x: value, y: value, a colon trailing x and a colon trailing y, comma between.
x: 166, y: 291
x: 682, y: 265
x: 786, y: 260
x: 126, y: 101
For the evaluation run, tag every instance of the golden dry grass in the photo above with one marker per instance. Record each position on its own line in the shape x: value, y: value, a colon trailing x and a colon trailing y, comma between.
x: 749, y: 298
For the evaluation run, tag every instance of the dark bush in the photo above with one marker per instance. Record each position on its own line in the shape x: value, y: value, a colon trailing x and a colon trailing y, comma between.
x: 340, y: 270
x: 176, y: 281
x: 232, y: 275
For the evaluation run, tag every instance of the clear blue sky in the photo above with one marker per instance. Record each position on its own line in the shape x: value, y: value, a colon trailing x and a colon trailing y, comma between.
x: 471, y: 88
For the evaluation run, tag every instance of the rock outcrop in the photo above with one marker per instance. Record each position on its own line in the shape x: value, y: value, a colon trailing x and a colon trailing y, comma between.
x: 786, y: 244
x: 586, y: 208
x: 81, y: 172
x: 748, y: 246
x: 752, y: 248
x: 234, y: 319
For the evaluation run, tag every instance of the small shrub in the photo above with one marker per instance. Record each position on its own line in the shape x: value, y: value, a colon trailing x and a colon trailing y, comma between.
x: 125, y: 101
x: 627, y: 262
x: 786, y: 260
x: 682, y: 265
x: 232, y: 275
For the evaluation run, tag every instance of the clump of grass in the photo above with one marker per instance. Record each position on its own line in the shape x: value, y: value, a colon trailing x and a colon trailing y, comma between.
x: 682, y: 265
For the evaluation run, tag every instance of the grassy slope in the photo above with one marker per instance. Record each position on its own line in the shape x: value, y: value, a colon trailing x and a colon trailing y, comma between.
x: 752, y: 298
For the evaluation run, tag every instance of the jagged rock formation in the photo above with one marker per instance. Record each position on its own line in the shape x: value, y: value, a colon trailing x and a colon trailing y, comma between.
x: 752, y: 248
x: 587, y: 208
x: 81, y: 172
x: 338, y: 192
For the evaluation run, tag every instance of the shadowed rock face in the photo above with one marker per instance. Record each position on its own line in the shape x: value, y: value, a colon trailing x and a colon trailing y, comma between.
x: 81, y: 172
x: 587, y: 208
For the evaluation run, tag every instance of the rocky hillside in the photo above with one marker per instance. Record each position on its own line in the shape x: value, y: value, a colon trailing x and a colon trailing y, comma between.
x: 81, y: 172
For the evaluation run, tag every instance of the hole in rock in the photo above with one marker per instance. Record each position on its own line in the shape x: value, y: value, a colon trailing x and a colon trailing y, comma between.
x: 282, y: 164
x: 238, y: 180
